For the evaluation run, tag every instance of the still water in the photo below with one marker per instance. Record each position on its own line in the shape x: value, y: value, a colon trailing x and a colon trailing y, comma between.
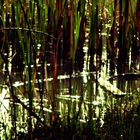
x: 78, y: 94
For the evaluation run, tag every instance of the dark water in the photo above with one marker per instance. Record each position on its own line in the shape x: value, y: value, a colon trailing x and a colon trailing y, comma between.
x: 77, y: 94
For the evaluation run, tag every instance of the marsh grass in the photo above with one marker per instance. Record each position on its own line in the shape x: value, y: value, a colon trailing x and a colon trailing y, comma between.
x: 38, y: 39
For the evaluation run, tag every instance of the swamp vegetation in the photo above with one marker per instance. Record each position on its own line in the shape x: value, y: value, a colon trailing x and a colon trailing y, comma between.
x: 69, y: 69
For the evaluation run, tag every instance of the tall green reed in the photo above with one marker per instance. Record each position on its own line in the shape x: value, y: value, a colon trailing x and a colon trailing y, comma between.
x: 93, y: 14
x: 126, y: 32
x: 34, y: 21
x: 21, y: 25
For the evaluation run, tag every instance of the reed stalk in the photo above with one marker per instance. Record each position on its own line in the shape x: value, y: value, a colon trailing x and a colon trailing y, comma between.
x: 34, y: 28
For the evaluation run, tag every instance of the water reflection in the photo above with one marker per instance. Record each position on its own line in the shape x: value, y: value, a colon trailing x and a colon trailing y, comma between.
x: 87, y: 91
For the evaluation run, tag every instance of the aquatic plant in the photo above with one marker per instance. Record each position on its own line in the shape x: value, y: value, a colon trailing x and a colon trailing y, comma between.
x: 56, y: 57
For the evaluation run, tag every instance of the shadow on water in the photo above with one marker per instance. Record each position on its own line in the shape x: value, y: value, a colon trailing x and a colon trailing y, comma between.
x: 84, y: 99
